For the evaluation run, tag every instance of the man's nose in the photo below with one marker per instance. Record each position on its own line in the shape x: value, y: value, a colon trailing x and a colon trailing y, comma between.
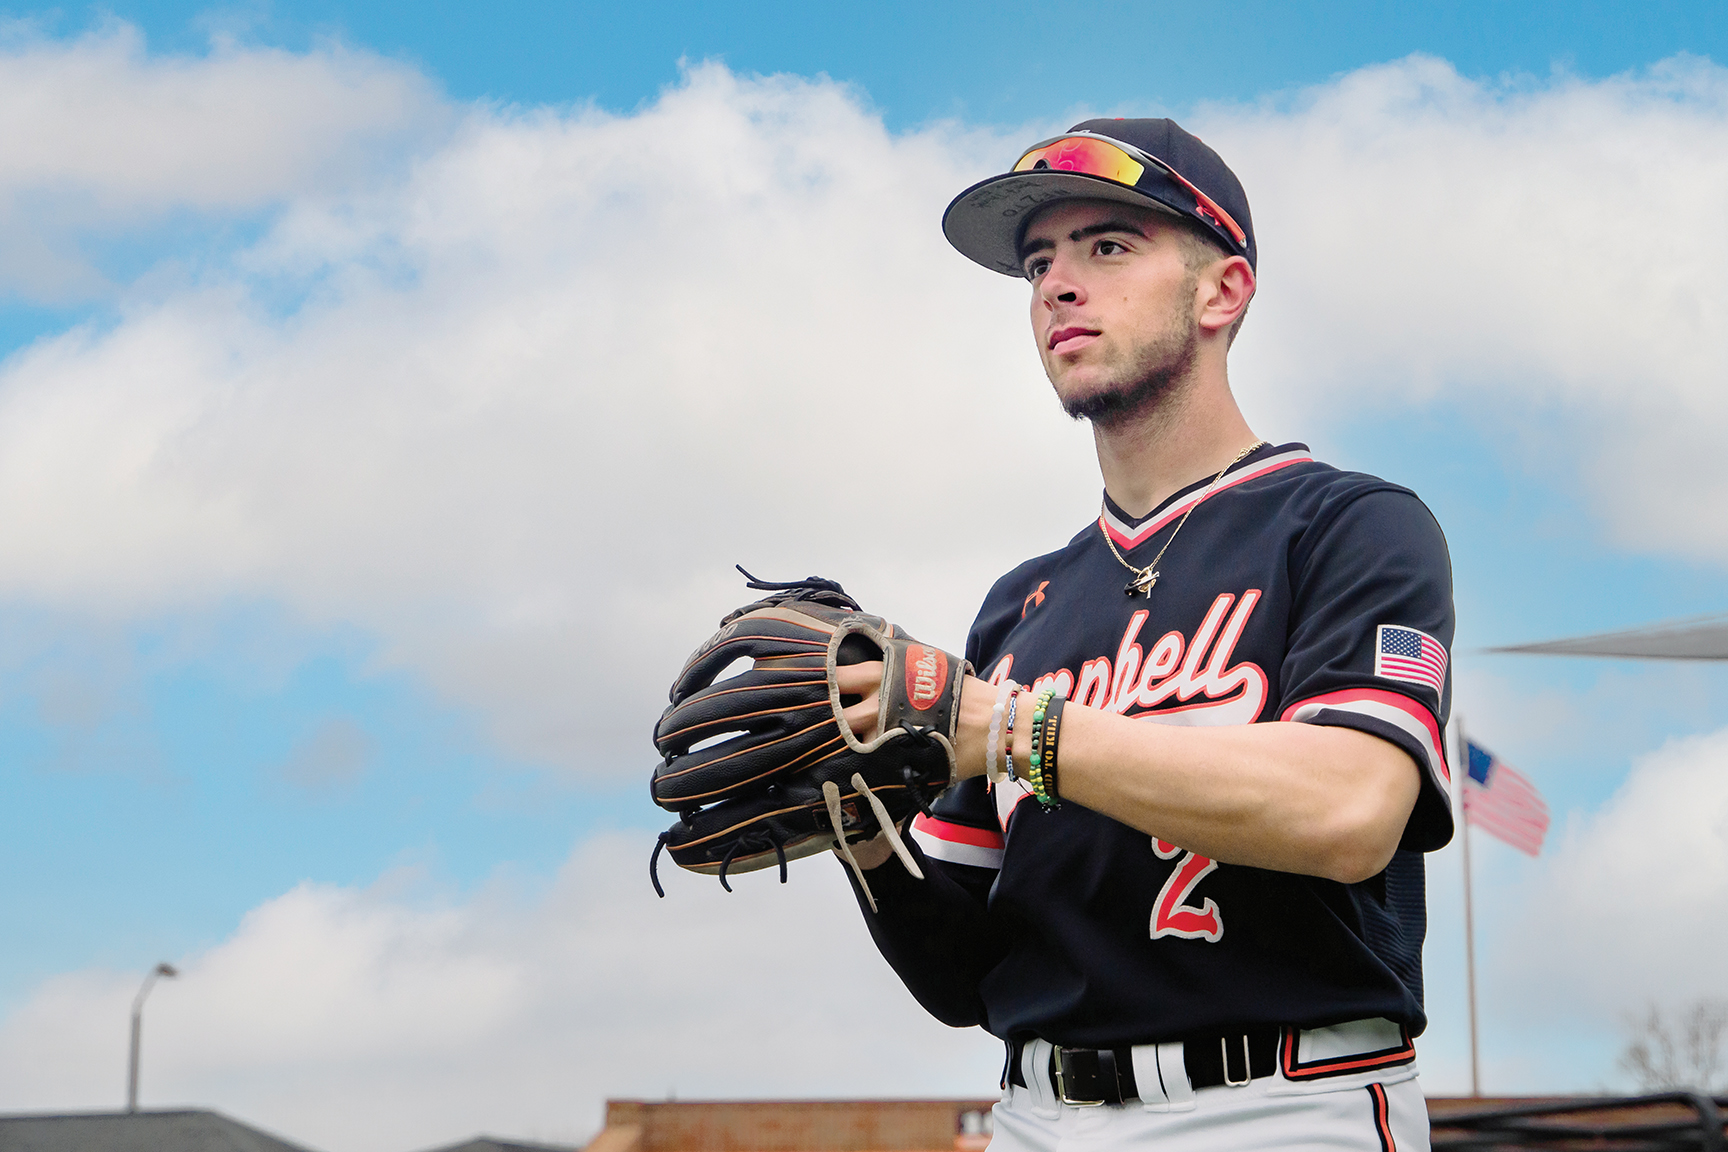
x: 1059, y: 284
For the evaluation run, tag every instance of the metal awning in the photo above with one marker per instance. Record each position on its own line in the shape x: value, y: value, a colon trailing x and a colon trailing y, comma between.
x: 1695, y: 638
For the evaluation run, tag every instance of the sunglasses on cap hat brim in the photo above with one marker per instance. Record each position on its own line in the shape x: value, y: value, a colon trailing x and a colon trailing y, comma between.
x: 1089, y: 154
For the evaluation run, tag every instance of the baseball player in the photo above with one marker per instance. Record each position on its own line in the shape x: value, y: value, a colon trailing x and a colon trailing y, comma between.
x: 1194, y: 911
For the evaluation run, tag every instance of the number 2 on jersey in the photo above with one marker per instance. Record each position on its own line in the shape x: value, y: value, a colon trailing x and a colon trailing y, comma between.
x: 1172, y: 915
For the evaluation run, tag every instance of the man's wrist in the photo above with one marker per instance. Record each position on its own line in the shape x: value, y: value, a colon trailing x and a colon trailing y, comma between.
x: 971, y: 731
x: 1020, y: 740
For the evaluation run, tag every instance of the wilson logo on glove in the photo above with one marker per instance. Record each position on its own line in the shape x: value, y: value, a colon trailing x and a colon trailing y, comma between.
x: 926, y: 675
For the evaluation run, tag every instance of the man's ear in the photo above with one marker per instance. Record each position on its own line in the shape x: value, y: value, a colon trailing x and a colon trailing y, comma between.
x: 1224, y: 291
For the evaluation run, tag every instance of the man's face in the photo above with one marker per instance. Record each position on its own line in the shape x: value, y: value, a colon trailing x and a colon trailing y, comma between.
x: 1112, y: 305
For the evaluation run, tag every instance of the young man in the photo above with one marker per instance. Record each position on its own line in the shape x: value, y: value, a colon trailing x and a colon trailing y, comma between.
x: 1206, y: 931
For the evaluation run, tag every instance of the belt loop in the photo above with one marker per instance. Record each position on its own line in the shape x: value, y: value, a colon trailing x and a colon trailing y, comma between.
x: 1173, y: 1072
x: 1247, y: 1062
x: 1148, y: 1078
x: 1035, y: 1060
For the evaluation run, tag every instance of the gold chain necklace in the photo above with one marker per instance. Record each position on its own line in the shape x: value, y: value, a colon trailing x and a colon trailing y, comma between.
x: 1145, y: 578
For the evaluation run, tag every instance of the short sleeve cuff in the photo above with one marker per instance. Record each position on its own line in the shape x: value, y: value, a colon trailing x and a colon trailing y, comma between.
x: 1407, y: 723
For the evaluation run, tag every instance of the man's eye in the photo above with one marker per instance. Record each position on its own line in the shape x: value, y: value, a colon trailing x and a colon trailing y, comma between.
x: 1110, y: 248
x: 1036, y: 267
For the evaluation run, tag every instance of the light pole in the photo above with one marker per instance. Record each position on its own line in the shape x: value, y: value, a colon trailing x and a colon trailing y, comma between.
x: 137, y: 1027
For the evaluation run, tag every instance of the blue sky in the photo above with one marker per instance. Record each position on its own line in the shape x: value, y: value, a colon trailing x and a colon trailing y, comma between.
x: 993, y: 63
x: 187, y: 740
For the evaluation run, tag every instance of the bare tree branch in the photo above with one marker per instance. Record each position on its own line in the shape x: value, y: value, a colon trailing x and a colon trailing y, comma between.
x: 1678, y: 1051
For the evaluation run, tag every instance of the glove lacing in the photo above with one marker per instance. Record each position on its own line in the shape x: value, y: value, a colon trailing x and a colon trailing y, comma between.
x: 814, y: 587
x: 831, y: 796
x: 755, y: 839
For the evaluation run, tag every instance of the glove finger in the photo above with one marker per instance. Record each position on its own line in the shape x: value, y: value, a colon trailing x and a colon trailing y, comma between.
x: 745, y: 762
x: 768, y: 634
x: 796, y: 815
x: 747, y: 830
x: 762, y: 700
x: 802, y: 741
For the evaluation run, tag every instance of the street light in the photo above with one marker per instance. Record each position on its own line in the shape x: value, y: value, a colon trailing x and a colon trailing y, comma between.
x: 137, y: 1027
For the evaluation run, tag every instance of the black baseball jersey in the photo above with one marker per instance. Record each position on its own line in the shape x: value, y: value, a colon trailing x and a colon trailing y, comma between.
x: 1295, y: 592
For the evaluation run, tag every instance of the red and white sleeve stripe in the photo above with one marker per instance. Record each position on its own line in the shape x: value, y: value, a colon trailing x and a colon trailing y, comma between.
x: 957, y: 843
x: 1392, y: 708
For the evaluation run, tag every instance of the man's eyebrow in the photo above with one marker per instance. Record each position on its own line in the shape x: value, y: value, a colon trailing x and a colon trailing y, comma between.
x: 1027, y: 247
x: 1104, y: 226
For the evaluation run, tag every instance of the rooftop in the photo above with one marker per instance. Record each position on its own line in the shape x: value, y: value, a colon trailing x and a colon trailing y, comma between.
x: 795, y: 1126
x: 182, y: 1130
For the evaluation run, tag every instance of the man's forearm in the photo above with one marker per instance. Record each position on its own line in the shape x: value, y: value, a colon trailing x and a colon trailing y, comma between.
x: 1314, y: 799
x: 1317, y: 800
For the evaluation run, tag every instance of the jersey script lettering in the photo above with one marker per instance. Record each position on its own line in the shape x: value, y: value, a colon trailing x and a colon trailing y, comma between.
x: 1172, y: 915
x: 1142, y: 684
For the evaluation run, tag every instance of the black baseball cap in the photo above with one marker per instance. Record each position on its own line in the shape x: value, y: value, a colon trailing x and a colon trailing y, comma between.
x: 1152, y: 163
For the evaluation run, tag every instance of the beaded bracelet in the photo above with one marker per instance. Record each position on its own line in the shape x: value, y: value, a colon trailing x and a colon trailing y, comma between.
x: 1048, y: 794
x: 1035, y: 765
x: 1008, y: 734
x: 993, y: 740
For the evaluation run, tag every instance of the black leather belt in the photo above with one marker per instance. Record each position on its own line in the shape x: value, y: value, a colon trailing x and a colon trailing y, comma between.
x: 1106, y: 1075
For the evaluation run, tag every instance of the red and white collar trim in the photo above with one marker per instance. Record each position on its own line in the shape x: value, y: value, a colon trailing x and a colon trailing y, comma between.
x: 1130, y: 536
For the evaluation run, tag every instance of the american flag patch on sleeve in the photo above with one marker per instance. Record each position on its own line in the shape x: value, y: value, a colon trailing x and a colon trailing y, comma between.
x: 1402, y: 653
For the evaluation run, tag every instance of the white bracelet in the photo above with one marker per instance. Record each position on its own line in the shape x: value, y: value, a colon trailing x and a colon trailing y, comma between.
x: 993, y: 743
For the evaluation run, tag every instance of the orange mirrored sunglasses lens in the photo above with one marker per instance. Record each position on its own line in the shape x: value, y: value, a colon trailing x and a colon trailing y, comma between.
x: 1091, y: 157
x: 1096, y: 158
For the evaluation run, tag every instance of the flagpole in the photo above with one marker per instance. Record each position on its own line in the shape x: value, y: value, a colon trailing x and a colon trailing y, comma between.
x: 1463, y: 766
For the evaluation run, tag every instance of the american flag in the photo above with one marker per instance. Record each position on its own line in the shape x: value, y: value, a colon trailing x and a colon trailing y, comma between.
x: 1406, y: 654
x: 1500, y: 801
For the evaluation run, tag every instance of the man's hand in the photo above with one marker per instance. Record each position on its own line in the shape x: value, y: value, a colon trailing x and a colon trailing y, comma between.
x: 971, y: 733
x: 970, y: 737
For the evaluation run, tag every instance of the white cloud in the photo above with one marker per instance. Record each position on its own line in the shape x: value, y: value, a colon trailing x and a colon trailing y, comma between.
x: 517, y: 409
x: 384, y: 1019
x: 1627, y: 905
x: 544, y: 393
x: 100, y: 137
x: 1576, y: 737
x: 1550, y: 256
x: 1564, y: 945
x: 1634, y: 904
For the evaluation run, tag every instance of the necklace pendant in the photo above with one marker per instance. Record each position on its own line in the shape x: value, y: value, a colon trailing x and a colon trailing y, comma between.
x: 1142, y: 583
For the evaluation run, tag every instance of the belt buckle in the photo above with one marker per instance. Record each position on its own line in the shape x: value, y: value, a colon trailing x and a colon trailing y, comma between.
x: 1062, y: 1087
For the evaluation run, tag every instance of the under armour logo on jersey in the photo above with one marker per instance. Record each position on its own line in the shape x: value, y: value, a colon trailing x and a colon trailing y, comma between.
x: 1035, y: 599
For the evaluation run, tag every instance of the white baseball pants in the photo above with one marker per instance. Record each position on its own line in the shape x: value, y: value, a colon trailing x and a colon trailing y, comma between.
x: 1361, y: 1112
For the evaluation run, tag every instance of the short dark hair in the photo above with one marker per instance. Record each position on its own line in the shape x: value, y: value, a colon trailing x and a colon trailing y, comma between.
x: 1199, y: 249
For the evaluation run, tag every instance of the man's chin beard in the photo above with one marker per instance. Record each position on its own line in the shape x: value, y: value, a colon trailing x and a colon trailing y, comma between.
x: 1163, y: 369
